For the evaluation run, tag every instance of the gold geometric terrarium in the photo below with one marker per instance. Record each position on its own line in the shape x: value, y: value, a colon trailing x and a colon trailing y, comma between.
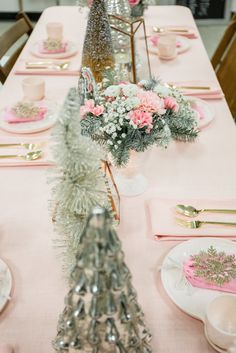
x: 135, y: 30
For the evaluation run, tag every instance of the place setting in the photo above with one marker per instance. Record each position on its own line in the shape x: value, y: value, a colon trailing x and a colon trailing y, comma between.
x: 184, y: 219
x: 199, y: 276
x: 51, y: 56
x: 168, y: 46
x: 28, y: 116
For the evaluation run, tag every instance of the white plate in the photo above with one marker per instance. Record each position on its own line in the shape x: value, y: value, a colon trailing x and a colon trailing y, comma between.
x: 184, y: 45
x: 206, y: 109
x: 72, y: 49
x: 195, y: 301
x: 5, y: 284
x: 33, y: 126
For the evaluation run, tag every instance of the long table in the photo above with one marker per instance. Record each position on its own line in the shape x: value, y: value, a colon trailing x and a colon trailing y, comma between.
x: 205, y: 169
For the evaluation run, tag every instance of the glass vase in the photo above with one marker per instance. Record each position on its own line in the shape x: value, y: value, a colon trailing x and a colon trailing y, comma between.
x: 130, y: 180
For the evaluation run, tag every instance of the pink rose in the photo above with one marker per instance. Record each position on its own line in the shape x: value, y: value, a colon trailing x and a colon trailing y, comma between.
x: 98, y: 110
x: 134, y: 2
x: 171, y: 103
x: 141, y: 119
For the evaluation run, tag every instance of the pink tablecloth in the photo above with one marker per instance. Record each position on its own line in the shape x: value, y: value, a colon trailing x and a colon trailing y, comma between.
x: 205, y: 169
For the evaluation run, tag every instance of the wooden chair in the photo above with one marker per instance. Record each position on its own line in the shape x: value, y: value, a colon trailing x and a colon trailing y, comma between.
x: 224, y: 64
x: 22, y: 26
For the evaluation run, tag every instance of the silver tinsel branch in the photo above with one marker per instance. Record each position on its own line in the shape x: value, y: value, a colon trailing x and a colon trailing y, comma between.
x: 79, y: 182
x: 102, y: 313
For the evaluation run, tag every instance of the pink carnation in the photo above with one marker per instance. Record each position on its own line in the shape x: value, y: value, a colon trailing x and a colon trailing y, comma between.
x: 89, y: 107
x: 150, y: 102
x: 134, y: 2
x: 171, y: 103
x: 141, y: 119
x: 98, y: 110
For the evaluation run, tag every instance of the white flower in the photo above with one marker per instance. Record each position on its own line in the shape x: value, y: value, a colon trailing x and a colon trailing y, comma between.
x: 112, y: 91
x: 143, y: 82
x: 130, y: 90
x: 116, y: 146
x: 119, y: 142
x: 109, y: 142
x: 161, y: 90
x: 121, y: 120
x: 114, y: 135
x: 123, y: 135
x: 110, y: 128
x: 132, y: 102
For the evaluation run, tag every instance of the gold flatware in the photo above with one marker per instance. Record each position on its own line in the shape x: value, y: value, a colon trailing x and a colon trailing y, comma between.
x: 30, y: 156
x: 161, y: 30
x: 191, y: 211
x: 28, y: 146
x: 198, y: 224
x: 47, y: 65
x: 190, y: 87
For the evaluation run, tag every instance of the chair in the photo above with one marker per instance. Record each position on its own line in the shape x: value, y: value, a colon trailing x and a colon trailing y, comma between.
x: 224, y: 64
x: 23, y: 26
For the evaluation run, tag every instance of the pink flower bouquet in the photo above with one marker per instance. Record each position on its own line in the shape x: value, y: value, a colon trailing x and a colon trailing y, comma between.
x: 129, y: 117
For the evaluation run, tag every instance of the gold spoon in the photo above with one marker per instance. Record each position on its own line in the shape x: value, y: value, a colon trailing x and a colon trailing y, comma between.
x: 28, y: 146
x: 47, y: 65
x: 30, y: 156
x: 191, y: 211
x: 198, y: 224
x: 161, y: 30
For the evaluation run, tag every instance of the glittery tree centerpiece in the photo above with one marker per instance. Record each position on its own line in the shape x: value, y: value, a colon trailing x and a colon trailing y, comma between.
x: 102, y: 314
x: 98, y: 49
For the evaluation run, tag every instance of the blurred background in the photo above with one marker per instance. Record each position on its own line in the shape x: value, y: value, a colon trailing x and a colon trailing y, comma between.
x: 212, y: 16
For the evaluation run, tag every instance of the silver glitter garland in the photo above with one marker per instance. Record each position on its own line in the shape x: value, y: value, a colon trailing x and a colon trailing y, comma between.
x: 78, y: 180
x: 101, y: 314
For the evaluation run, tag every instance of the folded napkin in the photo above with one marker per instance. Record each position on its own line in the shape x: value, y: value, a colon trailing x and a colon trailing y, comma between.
x: 62, y: 49
x: 164, y: 226
x: 43, y: 145
x: 196, y: 281
x: 73, y: 68
x: 6, y: 348
x: 11, y: 117
x: 193, y: 88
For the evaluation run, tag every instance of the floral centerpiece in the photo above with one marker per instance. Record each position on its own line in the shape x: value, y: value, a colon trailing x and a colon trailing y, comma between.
x: 129, y: 117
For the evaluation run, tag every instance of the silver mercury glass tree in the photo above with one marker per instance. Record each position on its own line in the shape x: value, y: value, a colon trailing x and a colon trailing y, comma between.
x: 101, y: 312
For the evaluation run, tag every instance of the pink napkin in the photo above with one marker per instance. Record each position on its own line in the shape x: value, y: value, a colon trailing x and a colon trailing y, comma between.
x: 44, y: 146
x: 10, y: 117
x: 62, y: 49
x: 201, y: 283
x: 164, y: 226
x: 214, y: 92
x: 6, y: 348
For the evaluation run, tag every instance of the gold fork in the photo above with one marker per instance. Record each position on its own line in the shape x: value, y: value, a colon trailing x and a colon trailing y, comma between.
x: 198, y: 224
x: 28, y: 146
